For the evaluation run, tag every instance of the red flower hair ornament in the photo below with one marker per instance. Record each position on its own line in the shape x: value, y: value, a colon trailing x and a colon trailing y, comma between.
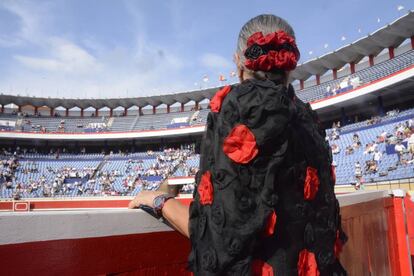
x: 274, y: 51
x: 240, y: 145
x: 205, y: 189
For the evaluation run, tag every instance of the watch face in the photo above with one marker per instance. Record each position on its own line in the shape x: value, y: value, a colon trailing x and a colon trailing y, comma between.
x: 158, y: 201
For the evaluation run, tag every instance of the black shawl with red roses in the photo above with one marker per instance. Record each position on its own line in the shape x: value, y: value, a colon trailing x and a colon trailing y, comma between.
x: 264, y: 203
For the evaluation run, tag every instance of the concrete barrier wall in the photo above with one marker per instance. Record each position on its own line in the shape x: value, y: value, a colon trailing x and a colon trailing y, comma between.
x: 121, y: 241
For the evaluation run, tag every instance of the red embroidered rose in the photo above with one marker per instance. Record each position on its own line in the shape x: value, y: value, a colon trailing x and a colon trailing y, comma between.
x: 338, y: 245
x: 217, y: 100
x: 311, y: 185
x: 333, y: 174
x: 260, y: 268
x: 307, y: 265
x: 240, y: 145
x: 205, y: 189
x: 271, y: 223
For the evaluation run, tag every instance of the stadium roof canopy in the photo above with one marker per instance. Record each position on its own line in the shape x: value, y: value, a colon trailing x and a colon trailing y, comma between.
x: 391, y: 35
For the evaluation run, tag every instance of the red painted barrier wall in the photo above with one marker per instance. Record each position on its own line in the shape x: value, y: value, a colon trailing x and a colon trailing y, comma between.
x: 76, y: 204
x: 400, y: 260
x: 380, y: 231
x: 409, y: 211
x: 140, y: 254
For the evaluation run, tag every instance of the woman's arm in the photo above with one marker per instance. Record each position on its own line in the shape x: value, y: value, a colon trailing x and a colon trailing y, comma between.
x: 176, y: 213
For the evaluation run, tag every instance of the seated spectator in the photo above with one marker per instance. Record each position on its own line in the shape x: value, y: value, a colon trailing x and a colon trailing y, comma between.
x: 381, y: 138
x: 355, y: 81
x: 328, y: 91
x: 349, y: 150
x: 392, y: 113
x: 367, y: 148
x: 358, y: 175
x: 411, y: 145
x: 344, y: 84
x: 371, y: 167
x: 335, y: 149
x: 358, y: 171
x: 410, y: 123
x: 377, y: 156
x: 356, y: 141
x: 399, y: 149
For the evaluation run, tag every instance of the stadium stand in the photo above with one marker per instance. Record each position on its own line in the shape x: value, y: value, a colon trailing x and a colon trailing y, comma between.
x: 30, y: 174
x: 367, y: 149
x: 23, y: 122
x: 374, y: 150
x: 364, y: 76
x: 370, y: 143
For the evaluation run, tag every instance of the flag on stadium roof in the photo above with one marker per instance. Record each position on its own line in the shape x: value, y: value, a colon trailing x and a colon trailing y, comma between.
x: 400, y: 7
x: 222, y: 78
x: 205, y: 78
x: 232, y: 74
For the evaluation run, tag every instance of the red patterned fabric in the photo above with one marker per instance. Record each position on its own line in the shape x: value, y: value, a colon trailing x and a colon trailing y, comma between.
x: 333, y: 173
x: 307, y: 265
x: 240, y: 145
x: 283, y: 59
x: 271, y: 223
x: 273, y: 39
x: 311, y: 183
x: 217, y: 100
x: 338, y: 245
x: 205, y: 189
x: 260, y: 268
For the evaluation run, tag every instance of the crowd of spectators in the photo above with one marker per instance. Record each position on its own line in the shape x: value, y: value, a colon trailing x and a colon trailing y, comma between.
x: 132, y: 171
x: 8, y: 166
x: 402, y: 133
x: 346, y: 84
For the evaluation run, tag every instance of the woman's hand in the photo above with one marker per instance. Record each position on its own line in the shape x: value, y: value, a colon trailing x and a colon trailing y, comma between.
x: 176, y: 213
x: 144, y: 198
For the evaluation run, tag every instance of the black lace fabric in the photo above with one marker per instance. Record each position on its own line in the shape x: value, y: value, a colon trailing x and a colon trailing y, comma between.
x: 227, y: 235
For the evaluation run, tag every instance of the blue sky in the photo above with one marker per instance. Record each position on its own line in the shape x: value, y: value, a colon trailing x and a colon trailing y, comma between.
x: 102, y: 48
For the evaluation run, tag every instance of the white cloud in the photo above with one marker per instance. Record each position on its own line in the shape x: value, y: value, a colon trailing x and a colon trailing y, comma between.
x: 214, y: 61
x: 70, y: 71
x: 74, y: 66
x: 66, y: 57
x: 33, y: 17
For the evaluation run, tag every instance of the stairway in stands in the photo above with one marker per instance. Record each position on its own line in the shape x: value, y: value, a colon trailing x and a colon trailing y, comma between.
x: 100, y: 166
x: 134, y: 123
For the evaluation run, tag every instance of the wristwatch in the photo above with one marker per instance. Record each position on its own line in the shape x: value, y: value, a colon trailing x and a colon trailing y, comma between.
x: 159, y: 202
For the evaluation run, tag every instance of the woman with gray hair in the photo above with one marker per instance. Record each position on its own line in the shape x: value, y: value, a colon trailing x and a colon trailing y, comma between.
x: 264, y: 202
